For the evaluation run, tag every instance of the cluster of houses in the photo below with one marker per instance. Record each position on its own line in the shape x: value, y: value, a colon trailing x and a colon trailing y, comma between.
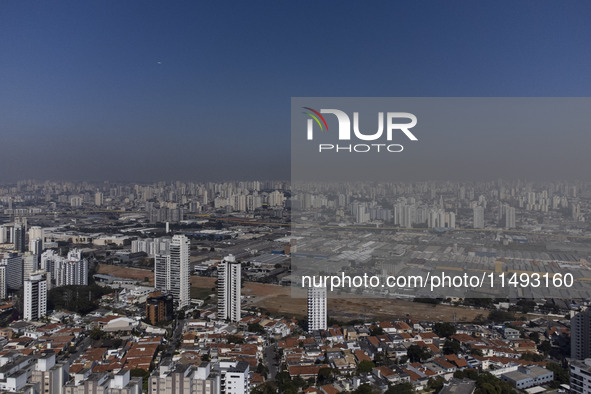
x: 384, y: 346
x: 127, y: 354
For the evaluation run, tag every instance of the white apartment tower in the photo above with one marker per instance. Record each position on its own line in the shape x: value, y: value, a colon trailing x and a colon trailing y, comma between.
x: 317, y: 319
x: 35, y: 297
x: 229, y: 283
x: 234, y: 377
x: 171, y: 271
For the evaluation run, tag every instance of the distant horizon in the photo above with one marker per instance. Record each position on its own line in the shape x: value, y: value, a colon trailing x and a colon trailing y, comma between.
x: 170, y: 181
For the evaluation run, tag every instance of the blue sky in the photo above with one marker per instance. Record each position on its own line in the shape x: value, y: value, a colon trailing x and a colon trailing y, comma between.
x: 154, y: 90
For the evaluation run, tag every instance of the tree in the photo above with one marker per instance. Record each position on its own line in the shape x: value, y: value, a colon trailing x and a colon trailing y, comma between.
x: 299, y: 382
x: 500, y: 316
x: 444, y: 330
x: 380, y: 359
x: 436, y: 384
x: 141, y: 373
x: 235, y: 339
x: 96, y: 334
x: 525, y: 306
x: 561, y: 375
x: 416, y: 353
x: 324, y: 375
x: 79, y: 299
x: 365, y: 388
x: 401, y: 388
x: 256, y: 327
x: 377, y: 331
x: 262, y: 370
x: 532, y: 357
x: 545, y: 347
x: 265, y: 388
x: 284, y: 383
x: 480, y: 319
x: 487, y: 383
x: 451, y: 347
x: 365, y: 366
x: 476, y: 352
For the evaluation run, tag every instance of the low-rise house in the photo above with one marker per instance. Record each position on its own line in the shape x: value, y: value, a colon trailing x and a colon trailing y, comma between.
x: 528, y: 376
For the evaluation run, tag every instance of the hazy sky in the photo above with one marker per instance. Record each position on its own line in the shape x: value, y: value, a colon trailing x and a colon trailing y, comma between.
x: 157, y: 90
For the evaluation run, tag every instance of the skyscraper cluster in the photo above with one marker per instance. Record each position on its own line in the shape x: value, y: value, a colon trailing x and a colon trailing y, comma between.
x: 65, y: 271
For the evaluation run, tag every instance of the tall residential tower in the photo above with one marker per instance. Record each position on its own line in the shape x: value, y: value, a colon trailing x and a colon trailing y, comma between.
x: 229, y: 283
x: 35, y: 297
x: 317, y: 319
x: 171, y: 271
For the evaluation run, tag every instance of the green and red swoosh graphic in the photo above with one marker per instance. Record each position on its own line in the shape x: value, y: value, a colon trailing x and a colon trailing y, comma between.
x: 315, y: 115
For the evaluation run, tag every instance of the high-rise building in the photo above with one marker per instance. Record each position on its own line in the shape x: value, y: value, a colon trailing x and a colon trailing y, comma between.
x: 36, y: 246
x: 70, y: 273
x: 171, y: 378
x: 317, y: 319
x: 35, y: 297
x: 76, y: 201
x: 509, y: 217
x: 36, y: 237
x: 50, y: 376
x: 171, y: 271
x: 580, y: 335
x: 580, y: 376
x: 3, y: 288
x: 229, y: 284
x: 19, y: 237
x: 174, y: 378
x: 4, y: 234
x: 576, y: 211
x: 234, y: 377
x: 150, y: 246
x: 14, y: 270
x: 159, y: 307
x: 478, y: 217
x: 65, y: 271
x: 98, y: 199
x: 104, y: 383
x: 30, y: 264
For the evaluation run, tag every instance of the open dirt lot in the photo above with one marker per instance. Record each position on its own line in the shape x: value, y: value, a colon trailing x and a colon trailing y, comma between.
x: 278, y: 299
x: 124, y: 272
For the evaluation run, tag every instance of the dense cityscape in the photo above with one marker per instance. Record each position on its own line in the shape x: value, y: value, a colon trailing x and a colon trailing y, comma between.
x: 297, y: 197
x: 189, y: 288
